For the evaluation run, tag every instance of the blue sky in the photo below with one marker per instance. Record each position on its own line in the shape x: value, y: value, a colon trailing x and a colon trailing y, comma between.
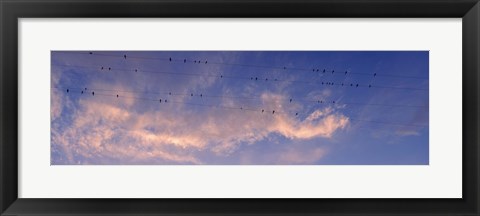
x: 239, y: 107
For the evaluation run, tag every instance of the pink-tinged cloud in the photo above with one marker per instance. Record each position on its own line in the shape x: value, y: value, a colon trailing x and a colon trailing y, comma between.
x: 308, y: 130
x: 107, y: 128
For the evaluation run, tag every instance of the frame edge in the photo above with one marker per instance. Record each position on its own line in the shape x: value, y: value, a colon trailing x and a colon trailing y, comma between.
x: 9, y: 152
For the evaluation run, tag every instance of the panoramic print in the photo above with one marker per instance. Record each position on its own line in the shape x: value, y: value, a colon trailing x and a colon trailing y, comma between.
x: 239, y: 107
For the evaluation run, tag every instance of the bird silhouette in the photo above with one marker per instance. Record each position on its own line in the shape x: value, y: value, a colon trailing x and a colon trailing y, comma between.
x: 109, y: 68
x: 165, y: 100
x: 184, y: 60
x: 296, y: 114
x: 375, y: 74
x: 205, y: 62
x: 191, y: 94
x: 273, y: 112
x: 82, y: 92
x: 290, y: 100
x: 170, y: 59
x: 323, y: 70
x: 345, y: 72
x: 263, y: 110
x: 333, y: 71
x: 67, y: 90
x: 160, y: 100
x: 136, y: 70
x: 102, y: 68
x: 93, y: 93
x: 90, y: 53
x: 357, y: 85
x: 369, y: 86
x: 169, y: 93
x: 256, y: 78
x: 117, y: 96
x: 125, y: 56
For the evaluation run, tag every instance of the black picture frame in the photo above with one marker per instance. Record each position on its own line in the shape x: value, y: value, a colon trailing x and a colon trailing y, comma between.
x: 12, y: 10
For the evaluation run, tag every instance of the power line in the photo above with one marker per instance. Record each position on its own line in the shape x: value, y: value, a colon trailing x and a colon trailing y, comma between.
x: 288, y: 99
x: 278, y: 68
x: 243, y: 108
x: 251, y: 78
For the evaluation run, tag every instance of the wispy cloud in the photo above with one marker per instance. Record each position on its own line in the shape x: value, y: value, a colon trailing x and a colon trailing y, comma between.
x: 101, y: 128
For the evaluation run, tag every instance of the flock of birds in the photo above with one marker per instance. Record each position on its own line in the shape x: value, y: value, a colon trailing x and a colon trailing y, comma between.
x: 324, y: 71
x: 165, y: 100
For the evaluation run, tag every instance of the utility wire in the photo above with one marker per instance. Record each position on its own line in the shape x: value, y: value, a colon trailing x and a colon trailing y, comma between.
x: 258, y: 98
x: 251, y: 78
x: 243, y: 108
x: 279, y: 68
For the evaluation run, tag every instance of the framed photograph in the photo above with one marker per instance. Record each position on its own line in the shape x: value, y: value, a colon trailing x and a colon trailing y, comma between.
x: 239, y: 108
